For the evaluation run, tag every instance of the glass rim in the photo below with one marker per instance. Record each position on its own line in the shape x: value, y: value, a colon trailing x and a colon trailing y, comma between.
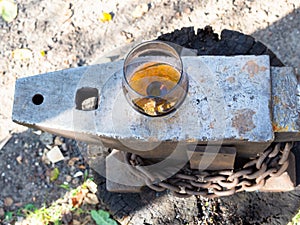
x: 150, y: 42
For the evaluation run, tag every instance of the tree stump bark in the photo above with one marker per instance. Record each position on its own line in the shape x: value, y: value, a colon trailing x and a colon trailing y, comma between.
x: 149, y: 207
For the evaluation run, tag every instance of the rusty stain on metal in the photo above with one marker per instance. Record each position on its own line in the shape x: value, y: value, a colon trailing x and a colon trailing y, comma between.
x: 253, y: 68
x: 285, y: 104
x: 231, y: 80
x: 243, y: 121
x: 276, y: 99
x: 278, y: 128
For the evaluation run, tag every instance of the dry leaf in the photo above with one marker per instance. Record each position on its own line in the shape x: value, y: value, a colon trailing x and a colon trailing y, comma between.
x: 105, y: 17
x: 77, y: 199
x: 22, y: 53
x: 43, y: 53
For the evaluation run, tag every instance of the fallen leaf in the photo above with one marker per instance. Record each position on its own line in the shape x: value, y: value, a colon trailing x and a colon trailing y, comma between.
x: 105, y: 17
x: 65, y: 186
x: 101, y: 217
x: 43, y: 53
x: 21, y: 53
x: 54, y: 174
x: 8, y: 216
x: 77, y: 198
x: 8, y: 10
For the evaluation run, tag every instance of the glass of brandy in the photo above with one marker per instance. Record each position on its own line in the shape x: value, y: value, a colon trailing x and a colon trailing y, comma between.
x: 154, y: 82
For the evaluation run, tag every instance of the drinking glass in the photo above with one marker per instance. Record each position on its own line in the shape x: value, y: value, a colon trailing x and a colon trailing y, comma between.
x: 154, y: 82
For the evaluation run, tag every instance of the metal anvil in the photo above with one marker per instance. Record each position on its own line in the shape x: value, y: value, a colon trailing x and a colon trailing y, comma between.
x: 237, y: 101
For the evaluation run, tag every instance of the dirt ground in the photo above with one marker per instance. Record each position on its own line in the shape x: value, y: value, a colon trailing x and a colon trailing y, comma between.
x: 65, y: 34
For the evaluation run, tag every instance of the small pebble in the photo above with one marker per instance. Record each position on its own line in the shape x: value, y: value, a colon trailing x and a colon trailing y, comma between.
x: 68, y: 178
x: 78, y: 174
x: 76, y: 222
x: 55, y: 155
x: 2, y: 213
x: 187, y: 10
x: 44, y: 157
x: 64, y: 147
x: 19, y: 159
x: 91, y: 199
x: 8, y: 201
x: 72, y: 161
x: 91, y: 185
x: 46, y: 138
x: 18, y: 204
x: 40, y: 152
x: 177, y: 15
x: 37, y: 132
x: 72, y: 168
x: 75, y: 181
x: 58, y: 141
x: 140, y: 10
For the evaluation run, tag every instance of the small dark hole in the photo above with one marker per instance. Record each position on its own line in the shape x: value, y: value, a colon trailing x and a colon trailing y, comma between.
x: 37, y: 99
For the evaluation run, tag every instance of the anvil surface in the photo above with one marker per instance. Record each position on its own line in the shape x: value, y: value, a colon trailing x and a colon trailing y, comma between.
x: 229, y: 102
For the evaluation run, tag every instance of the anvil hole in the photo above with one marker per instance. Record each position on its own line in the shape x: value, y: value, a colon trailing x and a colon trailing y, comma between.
x: 87, y: 99
x: 37, y: 99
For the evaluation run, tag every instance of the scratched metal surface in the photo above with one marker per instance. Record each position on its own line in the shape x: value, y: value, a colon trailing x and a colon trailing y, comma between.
x: 228, y: 101
x: 286, y: 104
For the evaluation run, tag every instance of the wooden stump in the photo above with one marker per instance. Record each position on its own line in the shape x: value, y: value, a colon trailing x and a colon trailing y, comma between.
x: 149, y: 207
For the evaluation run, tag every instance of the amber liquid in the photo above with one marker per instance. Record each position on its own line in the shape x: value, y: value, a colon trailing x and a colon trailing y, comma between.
x: 154, y: 80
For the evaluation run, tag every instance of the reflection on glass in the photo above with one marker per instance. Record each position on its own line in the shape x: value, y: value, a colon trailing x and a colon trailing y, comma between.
x: 154, y: 82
